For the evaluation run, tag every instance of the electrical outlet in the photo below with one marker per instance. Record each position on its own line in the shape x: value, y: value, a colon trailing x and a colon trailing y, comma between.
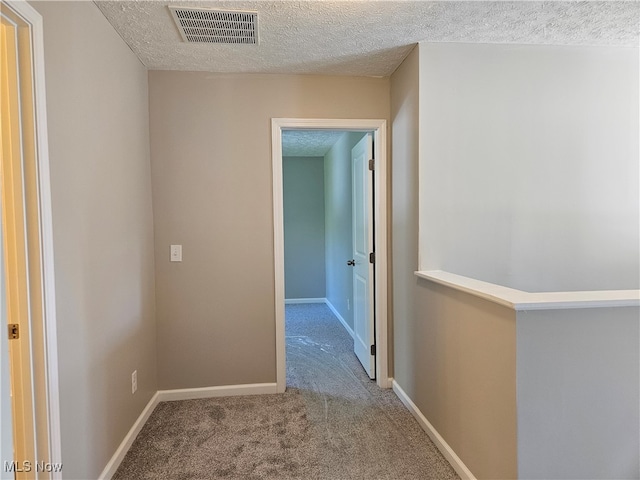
x: 348, y: 304
x: 134, y: 381
x: 176, y: 253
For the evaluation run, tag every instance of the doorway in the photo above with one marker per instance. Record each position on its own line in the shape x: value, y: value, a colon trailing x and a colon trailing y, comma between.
x: 30, y: 441
x: 378, y: 226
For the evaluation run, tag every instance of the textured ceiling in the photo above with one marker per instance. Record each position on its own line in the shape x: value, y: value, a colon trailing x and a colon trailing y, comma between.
x: 369, y: 38
x: 308, y: 143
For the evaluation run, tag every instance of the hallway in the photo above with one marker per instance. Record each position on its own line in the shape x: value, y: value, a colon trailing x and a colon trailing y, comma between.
x: 362, y: 431
x: 333, y: 422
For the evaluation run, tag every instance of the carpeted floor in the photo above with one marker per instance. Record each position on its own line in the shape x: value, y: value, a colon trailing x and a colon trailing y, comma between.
x: 332, y: 423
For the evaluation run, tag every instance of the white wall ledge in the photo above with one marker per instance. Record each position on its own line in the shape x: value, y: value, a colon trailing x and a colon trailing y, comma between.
x: 523, y: 301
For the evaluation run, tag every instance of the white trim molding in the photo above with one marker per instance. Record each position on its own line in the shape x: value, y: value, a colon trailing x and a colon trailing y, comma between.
x: 125, y: 445
x: 379, y: 129
x: 296, y: 301
x: 339, y: 317
x: 519, y: 300
x: 45, y: 363
x: 448, y: 453
x: 221, y: 391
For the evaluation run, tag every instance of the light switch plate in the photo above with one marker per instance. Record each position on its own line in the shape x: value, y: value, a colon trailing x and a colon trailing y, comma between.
x: 176, y: 253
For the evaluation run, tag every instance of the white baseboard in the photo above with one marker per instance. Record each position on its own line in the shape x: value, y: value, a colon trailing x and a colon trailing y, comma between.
x: 291, y: 301
x: 210, y: 392
x: 123, y: 448
x: 460, y: 468
x: 342, y: 320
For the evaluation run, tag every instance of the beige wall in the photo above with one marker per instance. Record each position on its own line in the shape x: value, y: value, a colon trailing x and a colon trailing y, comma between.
x: 97, y: 102
x: 454, y: 354
x: 212, y: 184
x: 404, y: 204
x: 463, y: 351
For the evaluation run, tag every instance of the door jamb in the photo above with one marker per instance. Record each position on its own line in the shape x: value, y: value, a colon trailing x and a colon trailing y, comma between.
x: 46, y: 410
x: 379, y: 129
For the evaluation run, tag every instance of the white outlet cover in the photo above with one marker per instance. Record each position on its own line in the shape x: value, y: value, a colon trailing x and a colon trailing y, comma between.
x: 176, y: 253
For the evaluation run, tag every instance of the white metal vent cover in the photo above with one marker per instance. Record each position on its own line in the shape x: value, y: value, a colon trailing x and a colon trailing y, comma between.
x: 202, y: 25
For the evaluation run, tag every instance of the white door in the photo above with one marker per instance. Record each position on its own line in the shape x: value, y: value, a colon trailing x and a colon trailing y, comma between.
x: 363, y: 247
x: 14, y: 198
x: 6, y: 419
x: 6, y: 412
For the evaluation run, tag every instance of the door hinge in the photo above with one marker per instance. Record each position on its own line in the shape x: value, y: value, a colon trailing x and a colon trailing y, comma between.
x: 372, y: 257
x: 373, y: 349
x: 372, y: 164
x: 14, y: 331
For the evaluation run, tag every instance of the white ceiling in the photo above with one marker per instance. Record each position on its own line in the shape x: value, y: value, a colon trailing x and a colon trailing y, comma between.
x: 368, y: 38
x: 308, y: 143
x: 362, y: 38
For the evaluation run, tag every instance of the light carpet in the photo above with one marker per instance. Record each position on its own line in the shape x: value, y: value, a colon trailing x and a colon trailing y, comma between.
x: 333, y: 422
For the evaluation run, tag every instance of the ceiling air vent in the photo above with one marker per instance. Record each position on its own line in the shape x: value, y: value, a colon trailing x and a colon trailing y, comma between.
x: 197, y: 25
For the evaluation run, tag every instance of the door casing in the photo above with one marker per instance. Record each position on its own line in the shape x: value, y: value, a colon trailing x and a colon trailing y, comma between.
x: 379, y: 129
x: 41, y: 331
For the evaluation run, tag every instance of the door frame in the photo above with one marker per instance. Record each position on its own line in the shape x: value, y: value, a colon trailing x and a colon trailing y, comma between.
x: 42, y: 328
x: 379, y: 129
